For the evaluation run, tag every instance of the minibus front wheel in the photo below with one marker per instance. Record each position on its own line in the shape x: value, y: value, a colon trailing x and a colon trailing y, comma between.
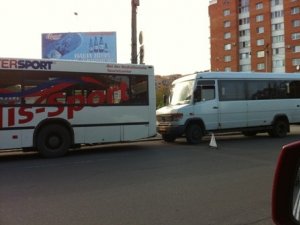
x: 194, y: 134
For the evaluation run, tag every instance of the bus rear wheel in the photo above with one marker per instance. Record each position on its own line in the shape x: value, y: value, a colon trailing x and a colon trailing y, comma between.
x: 280, y: 128
x: 194, y: 134
x: 53, y: 141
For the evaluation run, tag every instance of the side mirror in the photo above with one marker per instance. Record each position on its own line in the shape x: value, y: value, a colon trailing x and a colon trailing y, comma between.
x: 286, y: 186
x: 197, y: 95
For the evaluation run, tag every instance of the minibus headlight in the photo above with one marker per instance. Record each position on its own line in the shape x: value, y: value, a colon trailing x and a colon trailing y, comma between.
x: 176, y: 116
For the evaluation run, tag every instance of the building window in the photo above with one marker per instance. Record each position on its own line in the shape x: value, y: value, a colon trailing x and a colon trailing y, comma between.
x: 243, y: 6
x: 260, y: 42
x: 259, y: 5
x: 260, y: 30
x: 296, y: 62
x: 278, y: 51
x: 295, y: 10
x: 244, y: 21
x: 227, y: 69
x: 226, y: 12
x: 245, y: 55
x: 260, y: 66
x: 227, y: 23
x: 245, y: 68
x: 277, y: 26
x: 259, y: 18
x: 227, y: 47
x: 227, y: 58
x: 244, y: 33
x: 260, y: 54
x: 244, y: 2
x: 276, y: 2
x: 278, y: 63
x: 244, y: 44
x: 295, y: 36
x: 277, y: 14
x: 296, y: 23
x: 278, y: 39
x: 296, y: 48
x: 227, y: 35
x: 244, y: 9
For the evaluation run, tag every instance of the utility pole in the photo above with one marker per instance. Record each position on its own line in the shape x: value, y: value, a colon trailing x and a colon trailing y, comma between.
x: 134, y: 5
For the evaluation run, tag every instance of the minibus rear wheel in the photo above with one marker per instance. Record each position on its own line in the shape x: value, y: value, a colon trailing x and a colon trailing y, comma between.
x: 194, y: 134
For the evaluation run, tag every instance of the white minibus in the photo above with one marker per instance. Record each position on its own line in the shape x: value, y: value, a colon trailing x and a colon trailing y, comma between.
x: 230, y: 101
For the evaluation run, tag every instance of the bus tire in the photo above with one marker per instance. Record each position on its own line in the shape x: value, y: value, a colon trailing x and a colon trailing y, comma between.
x: 279, y: 129
x: 194, y: 134
x: 53, y: 141
x: 168, y: 138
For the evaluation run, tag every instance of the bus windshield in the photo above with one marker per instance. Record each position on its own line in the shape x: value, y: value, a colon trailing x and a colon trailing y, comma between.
x: 181, y: 93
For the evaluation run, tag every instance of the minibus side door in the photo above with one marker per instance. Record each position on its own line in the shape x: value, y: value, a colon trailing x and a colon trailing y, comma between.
x: 233, y: 104
x: 206, y: 104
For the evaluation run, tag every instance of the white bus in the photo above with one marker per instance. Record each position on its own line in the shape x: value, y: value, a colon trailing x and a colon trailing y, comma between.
x: 219, y: 102
x: 53, y: 105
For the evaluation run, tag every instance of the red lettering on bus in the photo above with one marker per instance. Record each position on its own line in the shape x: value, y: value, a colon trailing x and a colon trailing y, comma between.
x: 58, y: 111
x: 28, y: 115
x: 72, y: 100
x: 53, y: 99
x: 11, y: 117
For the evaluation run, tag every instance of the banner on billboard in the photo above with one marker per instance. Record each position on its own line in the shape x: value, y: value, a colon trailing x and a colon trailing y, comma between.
x: 84, y: 46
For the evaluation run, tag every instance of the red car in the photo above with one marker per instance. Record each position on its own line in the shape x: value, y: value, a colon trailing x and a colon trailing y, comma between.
x: 286, y: 186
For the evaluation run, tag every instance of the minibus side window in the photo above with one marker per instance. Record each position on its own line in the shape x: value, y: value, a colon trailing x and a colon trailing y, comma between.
x: 205, y: 91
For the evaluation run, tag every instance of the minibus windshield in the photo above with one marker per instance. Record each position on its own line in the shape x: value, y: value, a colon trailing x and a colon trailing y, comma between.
x: 181, y: 93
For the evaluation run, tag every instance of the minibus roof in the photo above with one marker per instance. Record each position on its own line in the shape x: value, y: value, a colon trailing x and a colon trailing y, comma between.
x: 237, y: 75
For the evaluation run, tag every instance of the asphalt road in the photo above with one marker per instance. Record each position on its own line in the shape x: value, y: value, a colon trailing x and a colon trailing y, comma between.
x: 144, y: 183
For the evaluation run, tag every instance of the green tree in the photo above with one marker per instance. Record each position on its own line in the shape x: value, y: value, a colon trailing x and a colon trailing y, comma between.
x: 160, y: 93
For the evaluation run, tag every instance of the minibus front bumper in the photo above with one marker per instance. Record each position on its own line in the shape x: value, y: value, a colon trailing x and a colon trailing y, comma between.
x: 172, y: 130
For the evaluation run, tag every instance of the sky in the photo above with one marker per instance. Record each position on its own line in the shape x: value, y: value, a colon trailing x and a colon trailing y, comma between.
x: 176, y: 32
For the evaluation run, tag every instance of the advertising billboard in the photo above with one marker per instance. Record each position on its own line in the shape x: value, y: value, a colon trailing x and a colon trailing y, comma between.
x: 84, y: 46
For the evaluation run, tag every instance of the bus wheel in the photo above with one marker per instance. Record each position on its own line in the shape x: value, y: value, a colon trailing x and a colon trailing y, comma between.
x: 280, y: 128
x: 194, y: 134
x: 53, y: 141
x: 168, y: 138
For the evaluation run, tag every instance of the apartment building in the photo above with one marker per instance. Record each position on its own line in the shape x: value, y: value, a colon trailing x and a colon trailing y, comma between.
x: 255, y: 35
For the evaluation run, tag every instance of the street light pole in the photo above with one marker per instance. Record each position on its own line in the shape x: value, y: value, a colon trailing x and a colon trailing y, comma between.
x: 134, y: 5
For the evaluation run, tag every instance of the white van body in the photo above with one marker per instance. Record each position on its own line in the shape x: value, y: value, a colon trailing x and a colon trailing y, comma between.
x: 230, y: 101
